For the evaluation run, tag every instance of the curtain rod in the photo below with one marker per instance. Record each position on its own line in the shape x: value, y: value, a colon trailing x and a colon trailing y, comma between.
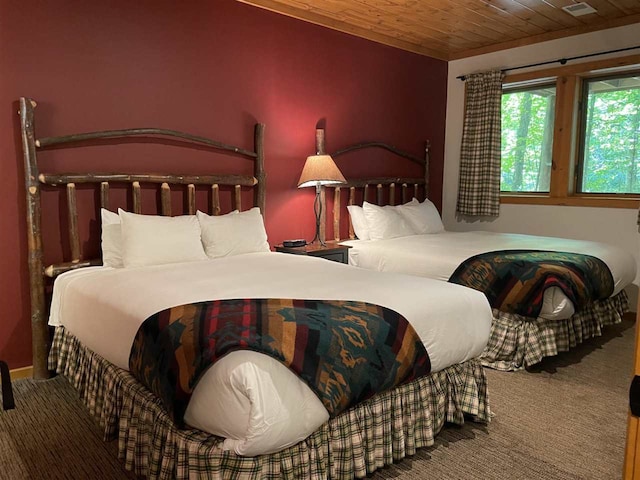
x: 561, y: 61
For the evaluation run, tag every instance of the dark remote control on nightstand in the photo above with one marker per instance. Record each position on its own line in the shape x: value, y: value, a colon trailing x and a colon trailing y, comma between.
x: 301, y: 242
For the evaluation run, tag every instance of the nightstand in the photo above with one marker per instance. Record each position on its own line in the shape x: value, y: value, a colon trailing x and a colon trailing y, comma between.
x: 332, y: 251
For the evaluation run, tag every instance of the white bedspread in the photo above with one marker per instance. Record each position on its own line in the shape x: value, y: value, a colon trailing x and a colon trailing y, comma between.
x: 252, y: 400
x: 438, y: 255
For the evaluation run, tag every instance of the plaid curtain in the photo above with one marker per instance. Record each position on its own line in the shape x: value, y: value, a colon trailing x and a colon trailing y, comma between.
x: 479, y: 184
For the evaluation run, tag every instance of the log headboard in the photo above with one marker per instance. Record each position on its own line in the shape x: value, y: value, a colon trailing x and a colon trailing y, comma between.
x: 384, y: 186
x: 34, y: 180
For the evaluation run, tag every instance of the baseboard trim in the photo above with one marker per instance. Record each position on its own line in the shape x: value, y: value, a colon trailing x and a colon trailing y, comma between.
x: 24, y: 372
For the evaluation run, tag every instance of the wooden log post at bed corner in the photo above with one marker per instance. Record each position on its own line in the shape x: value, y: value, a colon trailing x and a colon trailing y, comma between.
x: 259, y: 171
x: 39, y: 328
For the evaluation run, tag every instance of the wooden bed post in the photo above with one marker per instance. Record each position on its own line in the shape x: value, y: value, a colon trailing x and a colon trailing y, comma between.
x: 261, y: 176
x: 427, y: 152
x: 39, y: 328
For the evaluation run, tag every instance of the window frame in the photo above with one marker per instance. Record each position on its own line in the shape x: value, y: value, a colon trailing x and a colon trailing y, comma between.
x: 519, y: 87
x: 569, y: 80
x: 582, y: 122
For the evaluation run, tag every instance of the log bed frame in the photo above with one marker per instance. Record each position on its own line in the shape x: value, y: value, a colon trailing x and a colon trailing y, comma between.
x: 34, y: 180
x: 516, y: 341
x: 377, y: 432
x: 410, y: 187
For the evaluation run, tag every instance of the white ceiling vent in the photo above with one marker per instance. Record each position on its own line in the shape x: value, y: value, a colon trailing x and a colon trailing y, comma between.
x: 578, y: 9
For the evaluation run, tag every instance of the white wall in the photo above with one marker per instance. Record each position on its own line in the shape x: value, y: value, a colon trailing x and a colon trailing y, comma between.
x: 616, y: 226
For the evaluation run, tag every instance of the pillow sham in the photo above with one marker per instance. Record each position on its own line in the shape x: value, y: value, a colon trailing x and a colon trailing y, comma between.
x: 385, y: 222
x: 358, y: 222
x: 157, y: 240
x: 111, y: 239
x: 233, y: 234
x: 422, y: 217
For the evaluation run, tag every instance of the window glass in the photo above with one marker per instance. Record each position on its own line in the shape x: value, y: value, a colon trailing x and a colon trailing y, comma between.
x: 527, y: 139
x: 609, y: 137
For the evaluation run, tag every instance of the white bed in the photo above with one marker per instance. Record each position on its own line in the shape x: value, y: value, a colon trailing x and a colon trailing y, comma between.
x: 96, y: 305
x: 437, y: 255
x: 403, y: 235
x: 249, y: 416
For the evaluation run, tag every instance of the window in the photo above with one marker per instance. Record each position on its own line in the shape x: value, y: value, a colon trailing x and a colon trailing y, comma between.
x: 610, y: 152
x: 527, y: 138
x: 571, y: 135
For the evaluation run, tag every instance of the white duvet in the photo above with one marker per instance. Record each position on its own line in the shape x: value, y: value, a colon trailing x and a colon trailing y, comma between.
x: 250, y: 399
x: 438, y: 255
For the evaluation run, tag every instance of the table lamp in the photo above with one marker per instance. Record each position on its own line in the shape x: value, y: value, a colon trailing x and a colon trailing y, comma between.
x: 319, y: 170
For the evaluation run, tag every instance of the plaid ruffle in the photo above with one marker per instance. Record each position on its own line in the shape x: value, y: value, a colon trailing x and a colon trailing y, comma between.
x: 517, y: 342
x: 377, y: 432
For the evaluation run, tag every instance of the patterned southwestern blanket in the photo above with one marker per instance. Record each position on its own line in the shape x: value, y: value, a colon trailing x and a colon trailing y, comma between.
x: 345, y: 351
x: 514, y: 281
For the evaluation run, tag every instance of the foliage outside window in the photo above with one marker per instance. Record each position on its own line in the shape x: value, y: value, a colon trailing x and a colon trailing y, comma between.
x: 571, y: 135
x: 527, y: 139
x: 610, y: 151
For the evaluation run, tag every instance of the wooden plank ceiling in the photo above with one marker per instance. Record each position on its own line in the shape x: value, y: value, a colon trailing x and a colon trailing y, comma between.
x: 452, y: 29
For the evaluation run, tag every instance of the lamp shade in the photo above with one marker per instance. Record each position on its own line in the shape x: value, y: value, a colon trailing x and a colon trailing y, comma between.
x: 320, y: 170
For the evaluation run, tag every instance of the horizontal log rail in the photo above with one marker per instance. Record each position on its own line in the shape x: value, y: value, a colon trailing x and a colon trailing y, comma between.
x: 63, y: 178
x: 138, y: 132
x: 56, y: 269
x: 385, y: 146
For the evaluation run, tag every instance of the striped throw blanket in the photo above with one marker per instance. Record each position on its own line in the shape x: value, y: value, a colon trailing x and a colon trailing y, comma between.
x: 514, y: 281
x: 345, y: 351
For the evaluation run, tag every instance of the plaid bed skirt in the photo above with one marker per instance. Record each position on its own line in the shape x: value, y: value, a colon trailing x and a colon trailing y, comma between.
x: 377, y: 432
x: 517, y: 342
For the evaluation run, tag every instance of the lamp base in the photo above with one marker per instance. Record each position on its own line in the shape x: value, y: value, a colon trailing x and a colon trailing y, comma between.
x: 317, y: 240
x: 317, y: 209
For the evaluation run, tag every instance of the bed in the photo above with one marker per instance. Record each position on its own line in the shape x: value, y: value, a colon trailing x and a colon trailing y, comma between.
x: 238, y: 422
x: 408, y: 237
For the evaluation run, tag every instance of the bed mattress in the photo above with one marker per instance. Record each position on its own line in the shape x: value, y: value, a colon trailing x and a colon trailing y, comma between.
x: 250, y: 399
x: 438, y: 255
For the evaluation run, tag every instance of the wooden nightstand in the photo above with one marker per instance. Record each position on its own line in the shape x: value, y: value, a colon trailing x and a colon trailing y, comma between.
x: 333, y: 251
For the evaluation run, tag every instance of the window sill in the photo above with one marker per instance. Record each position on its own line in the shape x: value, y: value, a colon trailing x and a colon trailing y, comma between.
x: 573, y: 201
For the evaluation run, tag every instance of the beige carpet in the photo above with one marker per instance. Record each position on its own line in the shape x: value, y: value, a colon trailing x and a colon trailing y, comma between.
x: 564, y: 420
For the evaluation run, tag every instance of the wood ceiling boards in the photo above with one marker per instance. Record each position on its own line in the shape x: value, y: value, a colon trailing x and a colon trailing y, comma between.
x: 453, y: 29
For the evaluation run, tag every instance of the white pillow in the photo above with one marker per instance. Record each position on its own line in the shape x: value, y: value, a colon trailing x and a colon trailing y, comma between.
x: 233, y: 234
x: 359, y: 222
x: 111, y: 239
x: 385, y: 222
x: 422, y: 217
x: 157, y: 240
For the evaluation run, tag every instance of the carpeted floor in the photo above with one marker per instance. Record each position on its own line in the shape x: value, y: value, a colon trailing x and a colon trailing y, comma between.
x: 565, y: 419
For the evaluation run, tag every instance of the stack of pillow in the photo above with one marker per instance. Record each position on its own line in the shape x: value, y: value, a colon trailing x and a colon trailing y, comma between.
x: 371, y: 222
x: 132, y: 240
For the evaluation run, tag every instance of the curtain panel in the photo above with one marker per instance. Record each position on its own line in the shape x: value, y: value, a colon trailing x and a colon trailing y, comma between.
x: 479, y: 182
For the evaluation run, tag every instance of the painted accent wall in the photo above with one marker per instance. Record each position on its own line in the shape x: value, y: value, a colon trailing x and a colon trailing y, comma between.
x: 615, y: 226
x: 212, y: 68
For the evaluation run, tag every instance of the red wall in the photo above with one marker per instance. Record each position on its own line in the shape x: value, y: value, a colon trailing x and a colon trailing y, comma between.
x: 212, y: 68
